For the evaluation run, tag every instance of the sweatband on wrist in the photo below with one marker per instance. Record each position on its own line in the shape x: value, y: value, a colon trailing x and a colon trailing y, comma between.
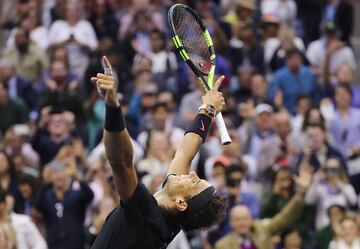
x: 201, y: 125
x: 114, y: 120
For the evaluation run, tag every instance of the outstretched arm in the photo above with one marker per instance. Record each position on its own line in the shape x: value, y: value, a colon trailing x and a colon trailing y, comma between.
x: 118, y: 147
x: 192, y: 141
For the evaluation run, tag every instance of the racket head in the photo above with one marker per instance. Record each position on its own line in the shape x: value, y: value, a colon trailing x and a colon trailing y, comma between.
x: 193, y: 42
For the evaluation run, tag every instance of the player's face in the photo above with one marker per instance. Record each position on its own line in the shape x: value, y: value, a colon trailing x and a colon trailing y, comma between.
x: 185, y: 185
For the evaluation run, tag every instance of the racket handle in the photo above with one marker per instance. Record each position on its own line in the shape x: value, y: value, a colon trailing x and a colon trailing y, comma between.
x: 220, y: 123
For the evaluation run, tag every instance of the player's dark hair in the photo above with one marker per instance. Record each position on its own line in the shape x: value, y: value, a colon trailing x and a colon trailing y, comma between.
x: 211, y: 213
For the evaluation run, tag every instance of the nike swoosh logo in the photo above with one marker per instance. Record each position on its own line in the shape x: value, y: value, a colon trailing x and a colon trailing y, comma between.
x: 202, y: 128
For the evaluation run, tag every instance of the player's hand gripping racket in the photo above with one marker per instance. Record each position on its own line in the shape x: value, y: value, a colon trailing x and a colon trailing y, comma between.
x: 194, y: 44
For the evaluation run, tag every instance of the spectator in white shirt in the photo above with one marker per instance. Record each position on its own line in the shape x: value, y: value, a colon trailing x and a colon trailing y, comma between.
x: 331, y: 48
x: 38, y: 33
x: 330, y: 187
x: 78, y: 35
x: 284, y: 9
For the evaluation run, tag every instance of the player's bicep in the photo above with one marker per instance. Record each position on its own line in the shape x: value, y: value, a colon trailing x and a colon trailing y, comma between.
x: 125, y: 182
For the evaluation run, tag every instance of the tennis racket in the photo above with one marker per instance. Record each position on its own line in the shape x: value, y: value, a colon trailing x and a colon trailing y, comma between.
x: 194, y: 44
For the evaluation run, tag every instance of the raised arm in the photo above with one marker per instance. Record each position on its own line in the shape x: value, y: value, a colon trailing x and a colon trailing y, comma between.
x: 193, y: 139
x: 118, y: 147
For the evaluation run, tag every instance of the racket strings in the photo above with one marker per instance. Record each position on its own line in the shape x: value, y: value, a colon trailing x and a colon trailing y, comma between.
x: 192, y: 38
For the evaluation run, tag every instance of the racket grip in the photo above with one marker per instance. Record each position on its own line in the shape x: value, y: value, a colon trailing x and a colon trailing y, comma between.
x: 220, y: 123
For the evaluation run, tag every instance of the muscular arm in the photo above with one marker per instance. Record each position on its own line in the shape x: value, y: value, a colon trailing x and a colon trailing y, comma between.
x: 118, y: 147
x: 186, y: 152
x: 192, y: 141
x: 119, y: 152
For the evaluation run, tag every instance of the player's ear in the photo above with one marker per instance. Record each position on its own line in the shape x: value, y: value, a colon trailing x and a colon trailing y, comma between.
x: 180, y: 204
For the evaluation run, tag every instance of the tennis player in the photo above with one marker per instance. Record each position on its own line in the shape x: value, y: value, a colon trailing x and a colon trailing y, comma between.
x: 144, y: 221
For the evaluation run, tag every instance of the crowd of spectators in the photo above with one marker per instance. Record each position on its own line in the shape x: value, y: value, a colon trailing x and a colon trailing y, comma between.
x: 292, y: 104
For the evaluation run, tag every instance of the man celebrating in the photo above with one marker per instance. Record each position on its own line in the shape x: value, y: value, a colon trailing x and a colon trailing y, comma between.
x: 185, y: 201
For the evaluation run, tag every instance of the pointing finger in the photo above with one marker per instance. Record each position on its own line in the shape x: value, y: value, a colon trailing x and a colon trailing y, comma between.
x: 218, y: 83
x: 106, y: 62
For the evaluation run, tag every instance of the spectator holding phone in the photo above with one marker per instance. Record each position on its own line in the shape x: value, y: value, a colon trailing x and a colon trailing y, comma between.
x: 317, y: 150
x: 330, y: 187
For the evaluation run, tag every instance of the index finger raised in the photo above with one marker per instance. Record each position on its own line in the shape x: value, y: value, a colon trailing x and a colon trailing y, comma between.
x: 218, y: 83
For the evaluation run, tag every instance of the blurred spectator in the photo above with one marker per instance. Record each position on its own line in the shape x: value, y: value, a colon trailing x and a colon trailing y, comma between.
x: 104, y: 208
x: 252, y: 233
x: 38, y: 33
x: 164, y: 63
x: 160, y: 120
x: 62, y: 92
x: 235, y: 174
x: 343, y: 131
x: 17, y: 86
x: 103, y: 20
x: 27, y: 234
x: 54, y: 130
x: 330, y: 187
x: 242, y: 11
x: 270, y: 27
x: 12, y: 110
x: 58, y: 10
x: 277, y: 47
x: 285, y: 10
x: 62, y: 207
x: 283, y: 148
x: 313, y: 116
x: 316, y: 150
x: 158, y: 156
x: 329, y: 51
x: 57, y: 53
x: 232, y: 154
x: 309, y: 15
x: 324, y: 235
x: 256, y: 130
x: 259, y: 89
x: 293, y: 80
x: 8, y: 234
x: 77, y: 35
x: 243, y: 77
x: 138, y: 17
x: 348, y: 235
x: 136, y: 34
x: 303, y: 104
x: 344, y: 76
x: 292, y: 239
x: 8, y: 178
x: 15, y: 143
x: 341, y: 12
x: 28, y: 190
x: 29, y: 60
x: 283, y: 188
x: 244, y: 49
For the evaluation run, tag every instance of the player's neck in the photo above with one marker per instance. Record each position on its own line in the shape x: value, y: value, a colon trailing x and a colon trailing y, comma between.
x: 164, y: 200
